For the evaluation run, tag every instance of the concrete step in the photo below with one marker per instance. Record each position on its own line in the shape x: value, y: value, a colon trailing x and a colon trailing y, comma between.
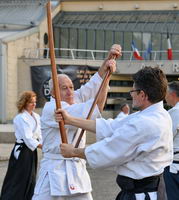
x: 5, y: 151
x: 7, y: 133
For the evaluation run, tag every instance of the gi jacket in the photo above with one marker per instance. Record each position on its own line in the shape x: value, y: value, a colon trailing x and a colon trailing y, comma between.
x: 66, y: 176
x: 174, y: 113
x: 139, y: 146
x: 27, y: 128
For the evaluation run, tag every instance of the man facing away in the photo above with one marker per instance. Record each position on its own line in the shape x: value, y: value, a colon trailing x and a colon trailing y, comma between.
x: 139, y: 146
x: 61, y: 178
x: 124, y: 111
x: 171, y: 174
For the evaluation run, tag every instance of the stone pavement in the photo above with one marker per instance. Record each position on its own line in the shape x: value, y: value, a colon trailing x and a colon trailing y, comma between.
x: 5, y: 150
x: 7, y: 133
x: 103, y: 181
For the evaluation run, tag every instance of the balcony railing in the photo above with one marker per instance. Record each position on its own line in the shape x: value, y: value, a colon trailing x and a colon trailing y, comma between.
x: 74, y: 54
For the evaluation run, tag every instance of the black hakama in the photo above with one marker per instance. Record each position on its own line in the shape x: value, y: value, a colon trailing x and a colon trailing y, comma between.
x: 130, y: 187
x: 20, y: 178
x: 171, y: 183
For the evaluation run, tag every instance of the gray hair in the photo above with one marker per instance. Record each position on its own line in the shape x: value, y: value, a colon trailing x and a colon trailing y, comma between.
x: 174, y: 87
x: 123, y: 105
x: 59, y: 76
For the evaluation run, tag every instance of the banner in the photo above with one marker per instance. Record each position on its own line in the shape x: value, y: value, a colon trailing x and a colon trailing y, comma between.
x: 40, y: 76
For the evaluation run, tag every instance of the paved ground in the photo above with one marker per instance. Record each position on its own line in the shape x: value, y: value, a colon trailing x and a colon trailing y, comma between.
x: 103, y: 181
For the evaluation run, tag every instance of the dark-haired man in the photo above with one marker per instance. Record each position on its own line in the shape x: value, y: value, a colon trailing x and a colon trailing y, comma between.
x: 171, y: 174
x: 139, y: 146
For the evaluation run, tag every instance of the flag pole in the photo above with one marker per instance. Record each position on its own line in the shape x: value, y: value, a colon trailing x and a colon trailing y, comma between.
x: 107, y: 76
x: 54, y: 71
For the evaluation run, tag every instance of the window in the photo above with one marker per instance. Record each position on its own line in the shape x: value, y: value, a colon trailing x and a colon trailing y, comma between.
x: 63, y: 42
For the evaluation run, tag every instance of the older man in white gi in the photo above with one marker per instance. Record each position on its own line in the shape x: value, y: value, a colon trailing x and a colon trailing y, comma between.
x: 68, y: 179
x: 139, y: 146
x: 171, y: 174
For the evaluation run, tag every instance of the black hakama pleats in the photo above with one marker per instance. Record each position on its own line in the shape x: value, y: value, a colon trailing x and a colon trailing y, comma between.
x: 130, y: 187
x: 20, y: 178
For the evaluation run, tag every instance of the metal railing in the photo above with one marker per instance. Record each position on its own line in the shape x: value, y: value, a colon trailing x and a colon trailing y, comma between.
x: 94, y: 54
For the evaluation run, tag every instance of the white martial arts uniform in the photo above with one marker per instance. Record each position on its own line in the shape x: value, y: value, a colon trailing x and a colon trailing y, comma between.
x: 61, y: 178
x: 27, y: 128
x: 139, y: 146
x: 171, y: 174
x: 122, y: 115
x: 174, y: 113
x: 23, y: 159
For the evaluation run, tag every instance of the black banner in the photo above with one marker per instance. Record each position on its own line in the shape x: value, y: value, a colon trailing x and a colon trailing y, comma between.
x: 41, y: 75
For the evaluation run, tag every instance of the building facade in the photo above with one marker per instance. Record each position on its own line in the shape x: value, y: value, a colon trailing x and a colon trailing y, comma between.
x: 83, y: 33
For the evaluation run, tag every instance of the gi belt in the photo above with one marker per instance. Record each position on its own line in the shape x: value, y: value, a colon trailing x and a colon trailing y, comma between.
x: 176, y: 161
x: 176, y: 152
x: 55, y: 156
x: 20, y: 145
x: 130, y: 187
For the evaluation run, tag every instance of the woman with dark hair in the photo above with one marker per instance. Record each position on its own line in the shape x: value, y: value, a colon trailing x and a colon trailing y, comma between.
x: 20, y: 178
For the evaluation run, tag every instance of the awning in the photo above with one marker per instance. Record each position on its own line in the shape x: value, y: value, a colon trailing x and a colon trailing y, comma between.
x: 127, y: 21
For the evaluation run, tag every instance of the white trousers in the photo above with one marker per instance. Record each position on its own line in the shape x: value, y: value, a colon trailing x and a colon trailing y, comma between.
x: 44, y: 194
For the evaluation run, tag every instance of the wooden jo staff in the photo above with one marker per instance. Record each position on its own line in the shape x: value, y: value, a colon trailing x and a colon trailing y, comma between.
x: 54, y: 71
x: 107, y: 75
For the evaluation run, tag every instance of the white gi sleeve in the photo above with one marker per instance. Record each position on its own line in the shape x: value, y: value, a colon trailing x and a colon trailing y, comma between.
x: 48, y: 115
x: 81, y: 110
x: 88, y: 90
x: 121, y: 145
x: 110, y: 125
x: 38, y: 131
x: 174, y: 113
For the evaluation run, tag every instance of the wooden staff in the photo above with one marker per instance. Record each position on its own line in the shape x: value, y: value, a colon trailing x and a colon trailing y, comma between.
x: 93, y: 105
x: 54, y: 71
x: 107, y: 75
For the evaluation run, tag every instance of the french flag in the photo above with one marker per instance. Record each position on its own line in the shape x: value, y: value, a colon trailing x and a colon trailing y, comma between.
x: 136, y: 53
x: 169, y: 50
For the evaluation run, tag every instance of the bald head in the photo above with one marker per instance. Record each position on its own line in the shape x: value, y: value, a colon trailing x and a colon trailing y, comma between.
x: 66, y: 88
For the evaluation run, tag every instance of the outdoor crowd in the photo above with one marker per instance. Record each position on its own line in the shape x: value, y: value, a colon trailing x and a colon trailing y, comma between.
x: 142, y: 146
